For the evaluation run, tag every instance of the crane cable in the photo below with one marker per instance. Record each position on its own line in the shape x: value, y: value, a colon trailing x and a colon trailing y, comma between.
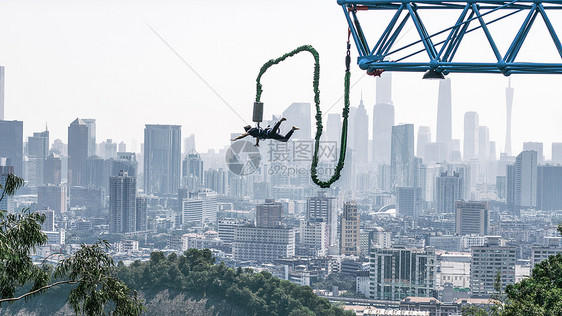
x: 315, y: 83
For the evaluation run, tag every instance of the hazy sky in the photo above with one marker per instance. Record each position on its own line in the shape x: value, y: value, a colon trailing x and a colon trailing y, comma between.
x: 99, y: 59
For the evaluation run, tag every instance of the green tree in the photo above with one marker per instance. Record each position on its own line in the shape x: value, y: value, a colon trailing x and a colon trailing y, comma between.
x: 90, y: 270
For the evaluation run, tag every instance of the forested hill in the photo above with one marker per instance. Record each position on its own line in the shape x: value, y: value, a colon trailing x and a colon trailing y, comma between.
x: 227, y: 291
x: 192, y: 284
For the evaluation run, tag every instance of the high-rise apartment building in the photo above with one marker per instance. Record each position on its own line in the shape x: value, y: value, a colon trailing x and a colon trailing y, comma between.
x: 540, y: 253
x: 471, y: 126
x: 269, y: 214
x: 11, y: 144
x: 314, y: 237
x: 349, y: 230
x: 162, y: 158
x: 140, y: 213
x: 448, y: 189
x: 472, y: 217
x: 397, y: 273
x: 323, y: 208
x: 216, y: 180
x: 402, y: 156
x: 122, y: 203
x: 485, y: 264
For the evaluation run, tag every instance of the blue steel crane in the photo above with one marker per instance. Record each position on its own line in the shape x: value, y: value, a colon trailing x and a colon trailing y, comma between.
x: 440, y: 55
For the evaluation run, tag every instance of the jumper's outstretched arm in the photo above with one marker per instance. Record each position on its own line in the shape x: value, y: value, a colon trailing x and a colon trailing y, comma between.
x: 240, y: 137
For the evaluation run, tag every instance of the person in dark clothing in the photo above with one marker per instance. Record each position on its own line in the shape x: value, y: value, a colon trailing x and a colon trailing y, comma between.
x: 267, y: 133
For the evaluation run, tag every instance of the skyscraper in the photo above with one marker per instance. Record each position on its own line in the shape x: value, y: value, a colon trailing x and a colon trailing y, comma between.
x: 122, y: 203
x: 333, y: 127
x: 298, y: 114
x: 402, y: 156
x: 349, y: 230
x: 444, y: 115
x: 448, y: 189
x: 323, y: 208
x: 78, y: 149
x: 52, y: 170
x: 192, y: 170
x: 483, y: 144
x: 360, y: 133
x: 509, y: 106
x: 91, y: 123
x: 472, y: 217
x: 549, y: 186
x: 37, y: 151
x: 269, y: 214
x: 11, y: 144
x: 383, y: 120
x: 522, y: 180
x: 162, y: 158
x: 536, y: 146
x: 557, y: 152
x: 471, y: 125
x: 424, y: 138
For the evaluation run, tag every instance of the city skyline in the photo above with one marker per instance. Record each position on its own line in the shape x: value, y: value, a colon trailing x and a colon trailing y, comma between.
x: 112, y: 70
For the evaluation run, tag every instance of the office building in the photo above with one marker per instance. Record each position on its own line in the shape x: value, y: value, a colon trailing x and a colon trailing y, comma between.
x: 349, y: 230
x: 91, y: 124
x: 162, y: 158
x: 549, y: 188
x: 263, y: 244
x: 323, y: 208
x: 409, y: 201
x: 226, y: 228
x: 52, y: 197
x: 471, y: 127
x: 397, y: 273
x: 448, y: 189
x: 402, y: 156
x: 269, y: 214
x: 472, y: 217
x: 485, y: 264
x: 11, y: 144
x: 93, y: 199
x: 49, y: 223
x: 78, y: 150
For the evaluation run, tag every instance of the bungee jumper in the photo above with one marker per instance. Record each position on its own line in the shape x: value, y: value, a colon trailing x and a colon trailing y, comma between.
x: 267, y: 133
